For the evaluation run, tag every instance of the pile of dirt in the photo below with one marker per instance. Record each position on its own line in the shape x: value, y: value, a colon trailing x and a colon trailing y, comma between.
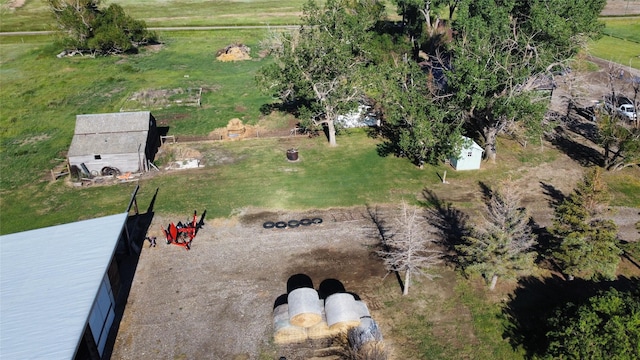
x: 234, y: 52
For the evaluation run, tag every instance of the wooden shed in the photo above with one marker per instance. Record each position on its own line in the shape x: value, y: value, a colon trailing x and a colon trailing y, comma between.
x: 469, y: 157
x: 126, y: 141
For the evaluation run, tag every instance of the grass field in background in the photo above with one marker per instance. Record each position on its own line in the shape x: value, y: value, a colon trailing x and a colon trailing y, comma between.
x: 620, y: 42
x: 624, y: 28
x: 42, y: 94
x: 617, y: 50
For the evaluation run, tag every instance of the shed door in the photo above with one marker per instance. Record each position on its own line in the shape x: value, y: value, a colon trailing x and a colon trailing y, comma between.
x: 102, y: 314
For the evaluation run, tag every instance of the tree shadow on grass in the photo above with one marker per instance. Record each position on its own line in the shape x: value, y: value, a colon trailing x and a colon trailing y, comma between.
x: 382, y: 232
x: 554, y: 196
x: 450, y: 224
x: 584, y: 155
x: 535, y: 300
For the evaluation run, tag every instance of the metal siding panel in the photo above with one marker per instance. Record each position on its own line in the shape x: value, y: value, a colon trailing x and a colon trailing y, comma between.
x: 46, y: 291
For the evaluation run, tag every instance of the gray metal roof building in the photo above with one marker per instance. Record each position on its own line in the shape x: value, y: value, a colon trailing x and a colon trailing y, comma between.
x: 125, y: 141
x: 56, y: 296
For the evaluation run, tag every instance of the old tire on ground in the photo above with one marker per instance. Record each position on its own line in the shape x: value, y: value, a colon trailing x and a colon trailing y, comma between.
x: 316, y: 220
x: 293, y: 223
x: 109, y: 171
x: 269, y: 225
x: 305, y: 222
x: 281, y: 225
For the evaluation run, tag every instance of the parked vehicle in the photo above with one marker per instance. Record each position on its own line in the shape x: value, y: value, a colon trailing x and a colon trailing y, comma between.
x: 622, y: 107
x: 627, y: 111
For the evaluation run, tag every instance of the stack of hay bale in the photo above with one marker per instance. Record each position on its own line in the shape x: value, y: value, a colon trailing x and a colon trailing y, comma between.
x: 306, y: 316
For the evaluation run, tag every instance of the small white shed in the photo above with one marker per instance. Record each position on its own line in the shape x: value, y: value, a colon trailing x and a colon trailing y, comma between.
x: 469, y: 157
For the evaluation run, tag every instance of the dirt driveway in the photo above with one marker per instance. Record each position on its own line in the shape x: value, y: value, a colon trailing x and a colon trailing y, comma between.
x: 216, y: 300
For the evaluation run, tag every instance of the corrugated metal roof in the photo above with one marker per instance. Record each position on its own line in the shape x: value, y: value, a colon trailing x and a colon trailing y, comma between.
x: 114, y: 133
x: 108, y: 143
x: 48, y: 282
x: 112, y: 122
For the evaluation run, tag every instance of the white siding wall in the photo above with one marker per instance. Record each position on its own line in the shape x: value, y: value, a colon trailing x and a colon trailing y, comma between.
x: 123, y: 162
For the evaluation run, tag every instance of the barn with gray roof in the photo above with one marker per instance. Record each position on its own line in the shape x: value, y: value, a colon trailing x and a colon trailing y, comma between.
x: 125, y: 141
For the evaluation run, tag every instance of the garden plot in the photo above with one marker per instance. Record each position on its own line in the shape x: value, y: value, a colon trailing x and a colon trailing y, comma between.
x: 162, y: 98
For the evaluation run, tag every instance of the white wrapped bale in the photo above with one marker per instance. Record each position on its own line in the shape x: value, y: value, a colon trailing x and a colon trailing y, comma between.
x: 366, y: 338
x: 342, y: 312
x: 321, y: 329
x: 363, y: 310
x: 305, y: 309
x: 284, y: 332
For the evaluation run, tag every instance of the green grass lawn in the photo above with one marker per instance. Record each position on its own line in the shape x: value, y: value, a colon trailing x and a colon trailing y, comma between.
x: 35, y: 15
x: 620, y: 42
x: 623, y: 28
x: 620, y: 51
x: 42, y: 94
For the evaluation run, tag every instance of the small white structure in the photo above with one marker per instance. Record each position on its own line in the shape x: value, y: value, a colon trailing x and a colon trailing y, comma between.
x: 469, y: 157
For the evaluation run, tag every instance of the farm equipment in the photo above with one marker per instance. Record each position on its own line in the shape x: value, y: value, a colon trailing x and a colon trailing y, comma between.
x: 182, y: 234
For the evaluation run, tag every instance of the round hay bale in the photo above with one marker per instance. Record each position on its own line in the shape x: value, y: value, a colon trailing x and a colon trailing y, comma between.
x: 304, y: 307
x: 283, y: 331
x: 321, y: 329
x: 342, y: 312
x: 367, y: 334
x: 363, y: 309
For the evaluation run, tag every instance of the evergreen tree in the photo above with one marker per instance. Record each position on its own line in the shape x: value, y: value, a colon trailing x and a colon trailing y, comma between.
x: 502, y: 244
x: 585, y: 243
x: 607, y: 326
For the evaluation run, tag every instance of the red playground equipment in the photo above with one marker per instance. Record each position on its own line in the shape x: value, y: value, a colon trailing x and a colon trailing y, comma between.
x: 183, y: 234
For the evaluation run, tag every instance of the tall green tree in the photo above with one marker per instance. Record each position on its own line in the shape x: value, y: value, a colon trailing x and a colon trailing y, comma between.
x: 501, y: 245
x: 586, y: 243
x: 416, y: 122
x: 317, y: 68
x: 85, y: 27
x: 621, y: 143
x: 503, y: 50
x: 607, y: 326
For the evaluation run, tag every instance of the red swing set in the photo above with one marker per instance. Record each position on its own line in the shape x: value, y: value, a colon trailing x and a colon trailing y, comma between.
x: 183, y: 234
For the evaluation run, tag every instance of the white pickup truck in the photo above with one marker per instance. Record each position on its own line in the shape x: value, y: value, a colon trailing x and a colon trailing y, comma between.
x: 623, y: 108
